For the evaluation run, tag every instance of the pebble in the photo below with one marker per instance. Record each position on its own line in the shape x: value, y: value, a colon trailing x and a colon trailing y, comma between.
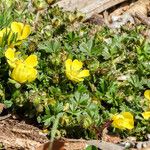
x: 139, y: 145
x: 148, y: 136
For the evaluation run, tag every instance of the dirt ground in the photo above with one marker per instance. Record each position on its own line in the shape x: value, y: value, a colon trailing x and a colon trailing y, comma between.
x: 17, y: 134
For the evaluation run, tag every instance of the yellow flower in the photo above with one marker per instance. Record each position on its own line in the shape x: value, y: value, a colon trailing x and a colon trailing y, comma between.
x: 74, y: 72
x: 147, y: 94
x: 12, y: 57
x: 22, y: 73
x: 123, y: 120
x: 18, y: 28
x: 25, y: 71
x: 146, y: 115
x: 22, y: 30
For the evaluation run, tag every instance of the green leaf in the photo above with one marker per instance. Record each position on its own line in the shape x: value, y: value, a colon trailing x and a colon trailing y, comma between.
x: 91, y: 147
x: 8, y: 103
x: 106, y: 54
x: 50, y: 46
x: 86, y: 47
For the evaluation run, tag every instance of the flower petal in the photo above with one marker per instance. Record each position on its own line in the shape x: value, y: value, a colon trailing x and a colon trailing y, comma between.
x: 118, y: 121
x: 31, y: 61
x: 83, y: 73
x: 68, y: 64
x: 32, y: 74
x: 12, y: 57
x: 12, y: 64
x: 73, y: 76
x: 127, y: 115
x: 76, y: 65
x: 77, y: 79
x: 26, y: 32
x: 17, y: 27
x: 147, y: 94
x: 127, y: 124
x: 10, y: 54
x: 146, y: 115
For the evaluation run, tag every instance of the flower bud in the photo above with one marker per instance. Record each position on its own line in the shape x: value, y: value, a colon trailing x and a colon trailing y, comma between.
x: 50, y: 1
x: 39, y: 108
x: 71, y: 18
x: 56, y: 22
x: 39, y: 4
x: 64, y: 120
x: 87, y: 122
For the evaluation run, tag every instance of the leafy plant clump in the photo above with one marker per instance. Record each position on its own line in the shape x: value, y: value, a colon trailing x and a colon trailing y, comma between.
x: 54, y: 67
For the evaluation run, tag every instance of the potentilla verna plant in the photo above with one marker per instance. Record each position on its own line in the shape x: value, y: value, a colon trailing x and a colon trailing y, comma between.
x: 23, y: 70
x: 56, y: 69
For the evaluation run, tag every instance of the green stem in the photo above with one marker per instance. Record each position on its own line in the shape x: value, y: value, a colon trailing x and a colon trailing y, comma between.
x: 54, y: 129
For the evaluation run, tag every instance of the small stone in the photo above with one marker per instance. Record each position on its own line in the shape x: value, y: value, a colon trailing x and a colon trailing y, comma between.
x: 144, y: 144
x: 148, y: 136
x: 139, y: 145
x: 131, y: 138
x: 127, y: 145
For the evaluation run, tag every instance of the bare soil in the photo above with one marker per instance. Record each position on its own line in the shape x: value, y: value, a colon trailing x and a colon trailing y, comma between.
x: 19, y: 135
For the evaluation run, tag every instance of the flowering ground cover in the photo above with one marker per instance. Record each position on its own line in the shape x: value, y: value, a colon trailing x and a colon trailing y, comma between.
x: 73, y: 78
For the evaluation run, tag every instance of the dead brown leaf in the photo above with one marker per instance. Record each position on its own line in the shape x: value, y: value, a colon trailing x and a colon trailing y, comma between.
x: 110, y: 138
x: 2, y: 106
x: 64, y: 144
